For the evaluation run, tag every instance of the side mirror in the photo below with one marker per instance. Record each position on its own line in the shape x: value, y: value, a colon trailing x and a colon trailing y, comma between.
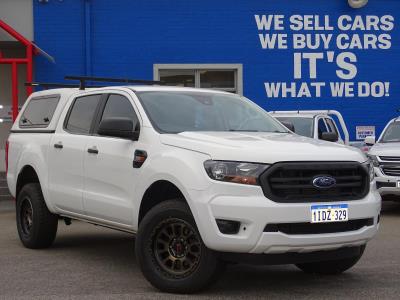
x: 370, y: 140
x: 330, y: 136
x: 288, y: 125
x: 119, y: 127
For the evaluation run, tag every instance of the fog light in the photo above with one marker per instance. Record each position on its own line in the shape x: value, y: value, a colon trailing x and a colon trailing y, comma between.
x: 228, y: 227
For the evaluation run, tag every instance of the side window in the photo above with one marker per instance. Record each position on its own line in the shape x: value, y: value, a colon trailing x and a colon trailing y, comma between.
x: 321, y: 127
x: 39, y: 111
x: 118, y: 106
x: 82, y: 113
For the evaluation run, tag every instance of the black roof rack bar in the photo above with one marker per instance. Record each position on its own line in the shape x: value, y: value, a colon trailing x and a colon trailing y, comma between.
x: 82, y: 80
x: 58, y: 85
x: 51, y: 84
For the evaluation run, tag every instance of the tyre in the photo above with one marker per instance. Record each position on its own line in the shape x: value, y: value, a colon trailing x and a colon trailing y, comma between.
x: 37, y: 226
x: 331, y: 267
x: 171, y: 253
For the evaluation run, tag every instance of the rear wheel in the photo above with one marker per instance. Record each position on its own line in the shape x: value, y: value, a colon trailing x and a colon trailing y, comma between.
x: 331, y: 267
x: 37, y: 226
x: 170, y: 251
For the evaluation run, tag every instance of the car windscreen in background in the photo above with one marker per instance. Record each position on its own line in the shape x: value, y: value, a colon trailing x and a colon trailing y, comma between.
x: 302, y: 126
x: 392, y: 133
x: 39, y: 111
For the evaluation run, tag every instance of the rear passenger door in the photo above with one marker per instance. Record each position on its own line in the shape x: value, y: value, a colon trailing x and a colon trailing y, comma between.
x: 110, y: 178
x: 66, y: 154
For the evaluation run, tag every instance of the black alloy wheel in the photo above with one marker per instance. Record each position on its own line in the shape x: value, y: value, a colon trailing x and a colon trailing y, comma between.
x: 37, y: 226
x: 176, y: 247
x: 26, y: 215
x: 171, y: 252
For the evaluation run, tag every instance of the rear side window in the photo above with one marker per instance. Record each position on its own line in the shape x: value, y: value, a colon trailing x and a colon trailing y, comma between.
x: 81, y: 115
x: 39, y: 111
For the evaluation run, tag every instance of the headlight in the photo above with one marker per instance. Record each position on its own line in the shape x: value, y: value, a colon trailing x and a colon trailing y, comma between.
x: 370, y: 167
x: 374, y: 160
x: 236, y: 172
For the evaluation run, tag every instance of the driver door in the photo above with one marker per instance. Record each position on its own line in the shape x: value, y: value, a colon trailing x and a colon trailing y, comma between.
x: 110, y: 178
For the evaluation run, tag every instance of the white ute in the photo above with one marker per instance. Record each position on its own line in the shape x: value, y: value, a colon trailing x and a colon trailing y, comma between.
x: 201, y: 177
x: 316, y: 124
x: 385, y: 154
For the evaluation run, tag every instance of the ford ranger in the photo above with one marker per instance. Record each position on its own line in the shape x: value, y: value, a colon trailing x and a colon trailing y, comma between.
x: 201, y: 177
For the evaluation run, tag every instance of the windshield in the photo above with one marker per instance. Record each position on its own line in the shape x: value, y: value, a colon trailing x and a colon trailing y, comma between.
x: 302, y: 126
x: 392, y: 133
x: 174, y: 112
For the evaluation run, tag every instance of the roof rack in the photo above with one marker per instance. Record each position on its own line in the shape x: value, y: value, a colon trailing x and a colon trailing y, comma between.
x: 51, y: 84
x: 82, y: 80
x: 47, y: 85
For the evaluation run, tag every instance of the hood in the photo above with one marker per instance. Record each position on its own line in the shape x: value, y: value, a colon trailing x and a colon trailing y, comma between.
x: 385, y: 149
x: 262, y: 147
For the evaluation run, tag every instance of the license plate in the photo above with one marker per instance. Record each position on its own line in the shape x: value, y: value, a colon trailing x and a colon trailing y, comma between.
x: 329, y: 213
x: 398, y: 184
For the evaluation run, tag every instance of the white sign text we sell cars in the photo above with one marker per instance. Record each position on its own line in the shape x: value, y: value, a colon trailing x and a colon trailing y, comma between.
x: 318, y: 39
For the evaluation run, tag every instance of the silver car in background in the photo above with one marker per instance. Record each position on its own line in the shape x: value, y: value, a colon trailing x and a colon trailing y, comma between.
x: 385, y: 153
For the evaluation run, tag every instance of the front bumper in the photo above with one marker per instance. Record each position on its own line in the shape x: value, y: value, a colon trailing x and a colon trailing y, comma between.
x: 249, y: 206
x: 387, y: 185
x: 292, y: 257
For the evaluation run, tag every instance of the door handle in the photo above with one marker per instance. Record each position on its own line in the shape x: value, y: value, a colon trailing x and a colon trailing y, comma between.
x: 58, y: 145
x: 93, y: 150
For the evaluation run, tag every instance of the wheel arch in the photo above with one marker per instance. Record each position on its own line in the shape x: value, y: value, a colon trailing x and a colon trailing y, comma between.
x: 158, y: 192
x: 30, y: 174
x: 26, y: 175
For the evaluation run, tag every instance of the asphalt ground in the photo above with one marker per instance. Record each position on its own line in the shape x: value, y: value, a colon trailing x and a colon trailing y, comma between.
x: 89, y: 262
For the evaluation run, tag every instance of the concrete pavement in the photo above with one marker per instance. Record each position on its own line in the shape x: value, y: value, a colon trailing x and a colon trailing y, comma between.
x: 89, y: 262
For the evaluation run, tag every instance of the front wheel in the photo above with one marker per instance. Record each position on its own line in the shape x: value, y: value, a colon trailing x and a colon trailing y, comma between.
x: 170, y: 251
x: 331, y: 267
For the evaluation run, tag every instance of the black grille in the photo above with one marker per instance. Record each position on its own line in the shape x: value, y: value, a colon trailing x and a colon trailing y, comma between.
x: 292, y: 182
x: 390, y: 158
x: 319, y: 228
x: 391, y: 170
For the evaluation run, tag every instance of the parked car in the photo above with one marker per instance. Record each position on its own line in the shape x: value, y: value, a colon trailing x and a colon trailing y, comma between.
x: 316, y: 124
x: 385, y: 153
x: 201, y: 177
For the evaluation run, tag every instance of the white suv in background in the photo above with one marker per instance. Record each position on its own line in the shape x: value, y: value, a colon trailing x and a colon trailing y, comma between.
x: 201, y: 177
x: 385, y: 154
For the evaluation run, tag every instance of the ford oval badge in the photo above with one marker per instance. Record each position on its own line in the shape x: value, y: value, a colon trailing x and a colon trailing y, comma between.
x: 324, y: 181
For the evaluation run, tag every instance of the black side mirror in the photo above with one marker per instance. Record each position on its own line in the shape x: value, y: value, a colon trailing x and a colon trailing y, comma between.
x: 288, y: 125
x: 330, y: 136
x: 119, y: 127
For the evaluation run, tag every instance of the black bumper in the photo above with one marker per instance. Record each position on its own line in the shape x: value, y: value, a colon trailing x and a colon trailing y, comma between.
x: 291, y: 257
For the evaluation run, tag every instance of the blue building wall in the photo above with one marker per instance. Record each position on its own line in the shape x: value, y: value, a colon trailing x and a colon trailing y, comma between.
x: 125, y: 38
